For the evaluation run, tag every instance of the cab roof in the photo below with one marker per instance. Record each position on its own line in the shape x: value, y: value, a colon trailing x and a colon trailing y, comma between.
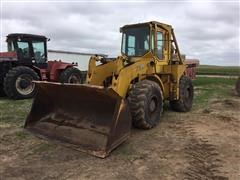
x: 21, y: 35
x: 145, y: 23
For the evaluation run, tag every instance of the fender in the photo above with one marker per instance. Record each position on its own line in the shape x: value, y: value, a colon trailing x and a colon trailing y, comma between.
x: 156, y: 79
x: 56, y: 67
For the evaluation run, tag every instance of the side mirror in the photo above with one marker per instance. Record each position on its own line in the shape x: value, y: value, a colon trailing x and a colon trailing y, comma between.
x: 48, y: 39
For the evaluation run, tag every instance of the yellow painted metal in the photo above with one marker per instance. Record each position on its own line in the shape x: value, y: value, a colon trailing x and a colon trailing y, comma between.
x: 120, y: 74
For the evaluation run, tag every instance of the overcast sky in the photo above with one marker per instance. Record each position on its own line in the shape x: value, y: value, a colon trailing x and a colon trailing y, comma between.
x: 208, y: 30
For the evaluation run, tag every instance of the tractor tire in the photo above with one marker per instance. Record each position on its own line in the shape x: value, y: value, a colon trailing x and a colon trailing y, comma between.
x: 2, y: 93
x: 18, y: 83
x: 186, y: 92
x: 237, y: 86
x: 146, y: 104
x: 71, y: 75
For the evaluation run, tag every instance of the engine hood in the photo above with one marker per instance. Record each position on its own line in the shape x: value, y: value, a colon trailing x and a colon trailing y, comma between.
x: 8, y: 56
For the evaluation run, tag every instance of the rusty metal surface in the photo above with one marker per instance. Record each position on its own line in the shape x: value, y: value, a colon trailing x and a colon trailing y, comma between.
x: 191, y: 69
x: 88, y: 118
x: 193, y: 62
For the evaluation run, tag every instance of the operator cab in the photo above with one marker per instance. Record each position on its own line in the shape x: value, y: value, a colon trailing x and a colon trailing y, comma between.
x: 31, y: 49
x: 143, y: 39
x: 135, y: 41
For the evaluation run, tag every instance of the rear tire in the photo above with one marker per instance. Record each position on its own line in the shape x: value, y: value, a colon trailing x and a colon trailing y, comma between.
x: 146, y: 104
x: 2, y: 93
x: 71, y: 75
x: 18, y: 83
x: 186, y: 92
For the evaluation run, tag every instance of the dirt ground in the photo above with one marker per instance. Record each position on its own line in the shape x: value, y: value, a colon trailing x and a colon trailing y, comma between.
x: 202, y: 144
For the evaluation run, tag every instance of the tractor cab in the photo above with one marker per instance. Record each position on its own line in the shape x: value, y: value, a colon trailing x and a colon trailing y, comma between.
x: 30, y: 49
x: 152, y: 39
x: 135, y: 40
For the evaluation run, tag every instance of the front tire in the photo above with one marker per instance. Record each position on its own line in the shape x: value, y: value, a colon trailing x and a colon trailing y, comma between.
x: 186, y: 92
x: 71, y: 75
x: 18, y: 83
x: 146, y: 104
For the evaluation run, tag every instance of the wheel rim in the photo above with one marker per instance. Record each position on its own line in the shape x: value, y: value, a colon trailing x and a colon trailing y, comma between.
x: 153, y: 110
x: 153, y: 104
x: 74, y: 79
x: 24, y: 84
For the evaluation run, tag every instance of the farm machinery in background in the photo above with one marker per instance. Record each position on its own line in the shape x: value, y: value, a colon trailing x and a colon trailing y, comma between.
x: 27, y: 61
x: 97, y: 116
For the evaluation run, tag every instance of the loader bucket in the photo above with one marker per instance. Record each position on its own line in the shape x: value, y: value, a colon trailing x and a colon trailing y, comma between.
x: 88, y: 118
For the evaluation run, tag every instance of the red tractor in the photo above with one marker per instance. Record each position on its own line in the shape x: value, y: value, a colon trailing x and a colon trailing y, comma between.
x: 25, y: 61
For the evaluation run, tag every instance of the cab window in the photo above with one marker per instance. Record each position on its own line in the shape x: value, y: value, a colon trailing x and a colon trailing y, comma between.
x: 131, y: 45
x: 10, y: 46
x: 23, y: 49
x: 153, y: 45
x: 160, y: 45
x: 135, y: 41
x: 39, y: 51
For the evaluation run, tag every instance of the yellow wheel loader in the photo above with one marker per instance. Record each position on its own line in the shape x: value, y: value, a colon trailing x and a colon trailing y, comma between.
x: 97, y: 116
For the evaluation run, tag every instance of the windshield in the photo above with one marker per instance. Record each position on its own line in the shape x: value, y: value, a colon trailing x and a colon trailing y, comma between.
x: 135, y: 41
x: 39, y: 51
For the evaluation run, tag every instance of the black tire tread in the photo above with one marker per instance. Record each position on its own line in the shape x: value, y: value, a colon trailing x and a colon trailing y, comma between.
x: 63, y: 78
x: 137, y: 99
x: 180, y: 105
x: 2, y: 93
x: 10, y: 78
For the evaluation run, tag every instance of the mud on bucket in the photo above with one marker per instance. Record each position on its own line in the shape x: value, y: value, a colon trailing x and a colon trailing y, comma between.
x: 88, y: 118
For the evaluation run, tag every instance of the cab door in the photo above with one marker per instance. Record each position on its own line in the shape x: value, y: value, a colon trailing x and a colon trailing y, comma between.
x: 23, y: 51
x: 161, y: 45
x: 39, y: 57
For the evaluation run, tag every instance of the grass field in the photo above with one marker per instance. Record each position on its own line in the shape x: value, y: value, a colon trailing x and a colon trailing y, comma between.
x: 207, y: 88
x: 218, y: 70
